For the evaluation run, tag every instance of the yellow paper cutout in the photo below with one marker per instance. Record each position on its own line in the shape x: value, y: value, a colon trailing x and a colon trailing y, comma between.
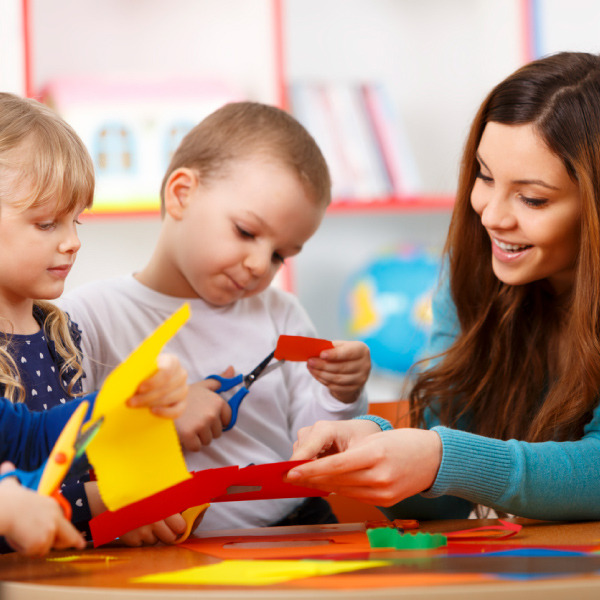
x: 84, y: 558
x: 258, y: 572
x: 192, y: 517
x: 136, y: 454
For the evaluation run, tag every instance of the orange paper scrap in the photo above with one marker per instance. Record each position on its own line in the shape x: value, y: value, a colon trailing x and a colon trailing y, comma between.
x: 136, y: 454
x: 298, y: 348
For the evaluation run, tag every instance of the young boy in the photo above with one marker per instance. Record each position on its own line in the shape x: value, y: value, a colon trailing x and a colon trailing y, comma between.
x: 245, y: 190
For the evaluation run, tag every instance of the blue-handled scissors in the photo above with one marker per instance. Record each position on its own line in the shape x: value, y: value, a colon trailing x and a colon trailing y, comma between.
x: 228, y: 383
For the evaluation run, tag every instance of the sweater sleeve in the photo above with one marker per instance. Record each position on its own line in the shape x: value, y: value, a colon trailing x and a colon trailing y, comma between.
x: 26, y: 437
x: 546, y: 480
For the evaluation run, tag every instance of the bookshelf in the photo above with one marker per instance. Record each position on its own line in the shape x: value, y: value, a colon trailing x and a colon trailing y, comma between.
x: 436, y: 58
x: 403, y: 46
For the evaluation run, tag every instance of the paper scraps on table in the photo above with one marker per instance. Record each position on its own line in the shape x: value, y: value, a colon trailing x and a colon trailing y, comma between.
x: 386, y: 537
x: 225, y: 484
x: 330, y: 541
x: 298, y: 348
x: 85, y: 558
x: 505, y: 530
x: 135, y: 453
x: 258, y: 572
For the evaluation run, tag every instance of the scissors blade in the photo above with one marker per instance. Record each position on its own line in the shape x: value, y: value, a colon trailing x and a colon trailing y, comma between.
x: 85, y: 437
x: 262, y: 369
x: 272, y: 367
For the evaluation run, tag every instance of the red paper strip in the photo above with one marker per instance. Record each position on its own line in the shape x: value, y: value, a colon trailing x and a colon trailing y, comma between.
x: 206, y: 486
x: 298, y: 348
x: 505, y: 530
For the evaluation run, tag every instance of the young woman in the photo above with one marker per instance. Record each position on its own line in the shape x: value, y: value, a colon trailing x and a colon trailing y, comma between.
x: 509, y: 401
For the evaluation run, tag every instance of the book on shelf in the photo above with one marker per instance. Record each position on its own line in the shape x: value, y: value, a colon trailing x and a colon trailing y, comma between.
x: 361, y: 137
x: 392, y: 139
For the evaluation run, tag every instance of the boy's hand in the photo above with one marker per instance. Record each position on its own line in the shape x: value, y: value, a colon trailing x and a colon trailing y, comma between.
x: 205, y: 416
x: 165, y: 393
x: 344, y: 369
x: 166, y: 531
x: 31, y: 523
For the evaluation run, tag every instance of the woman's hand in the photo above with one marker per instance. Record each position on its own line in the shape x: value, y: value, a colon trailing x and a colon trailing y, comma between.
x: 382, y: 468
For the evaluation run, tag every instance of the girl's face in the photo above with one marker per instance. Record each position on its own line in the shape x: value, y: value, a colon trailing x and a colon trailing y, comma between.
x: 235, y: 232
x: 529, y: 206
x: 37, y: 251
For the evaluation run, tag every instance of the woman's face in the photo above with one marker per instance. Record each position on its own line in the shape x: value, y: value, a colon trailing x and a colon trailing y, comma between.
x: 529, y: 206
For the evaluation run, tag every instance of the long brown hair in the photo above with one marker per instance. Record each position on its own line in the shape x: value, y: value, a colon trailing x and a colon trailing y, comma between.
x: 496, y: 373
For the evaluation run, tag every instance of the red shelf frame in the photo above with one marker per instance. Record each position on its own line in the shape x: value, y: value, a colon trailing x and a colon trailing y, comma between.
x: 392, y: 204
x: 416, y: 203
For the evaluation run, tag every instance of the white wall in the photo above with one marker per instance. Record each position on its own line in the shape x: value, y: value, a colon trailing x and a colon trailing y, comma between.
x: 12, y: 47
x: 439, y: 58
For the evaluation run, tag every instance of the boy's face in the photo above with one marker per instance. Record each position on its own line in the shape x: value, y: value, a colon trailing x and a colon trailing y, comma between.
x: 237, y: 230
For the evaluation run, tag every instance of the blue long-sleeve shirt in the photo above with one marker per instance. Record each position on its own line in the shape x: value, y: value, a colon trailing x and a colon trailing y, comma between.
x: 546, y: 480
x: 26, y: 437
x: 45, y: 386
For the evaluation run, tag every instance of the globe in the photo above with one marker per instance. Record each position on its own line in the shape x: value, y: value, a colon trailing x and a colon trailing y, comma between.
x: 387, y: 305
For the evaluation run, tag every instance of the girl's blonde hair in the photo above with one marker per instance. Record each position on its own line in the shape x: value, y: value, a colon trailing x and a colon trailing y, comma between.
x: 40, y: 153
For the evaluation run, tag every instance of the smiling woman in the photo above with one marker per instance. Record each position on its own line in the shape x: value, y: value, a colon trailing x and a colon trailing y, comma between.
x: 513, y: 356
x: 529, y: 206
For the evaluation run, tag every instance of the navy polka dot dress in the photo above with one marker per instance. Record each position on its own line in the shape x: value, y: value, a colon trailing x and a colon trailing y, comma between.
x: 39, y: 366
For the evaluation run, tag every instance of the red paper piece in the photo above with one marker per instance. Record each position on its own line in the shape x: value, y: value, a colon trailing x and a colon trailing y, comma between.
x: 210, y: 485
x: 298, y: 348
x: 505, y: 530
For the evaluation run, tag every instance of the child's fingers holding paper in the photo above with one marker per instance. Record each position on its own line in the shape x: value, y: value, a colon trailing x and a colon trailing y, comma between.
x: 165, y: 392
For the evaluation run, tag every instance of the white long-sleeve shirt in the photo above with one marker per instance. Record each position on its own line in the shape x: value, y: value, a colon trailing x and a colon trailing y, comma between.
x: 116, y: 315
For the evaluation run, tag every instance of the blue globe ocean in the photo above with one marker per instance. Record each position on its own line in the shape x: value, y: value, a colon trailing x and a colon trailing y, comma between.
x: 387, y: 305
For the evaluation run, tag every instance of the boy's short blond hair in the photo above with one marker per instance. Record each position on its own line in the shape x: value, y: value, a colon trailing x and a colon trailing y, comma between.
x: 242, y: 129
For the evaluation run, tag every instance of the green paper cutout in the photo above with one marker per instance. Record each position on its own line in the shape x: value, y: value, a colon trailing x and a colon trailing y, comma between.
x: 386, y: 537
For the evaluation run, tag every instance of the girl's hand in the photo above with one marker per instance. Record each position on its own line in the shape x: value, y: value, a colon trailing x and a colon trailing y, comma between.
x: 166, y: 531
x: 33, y: 524
x: 165, y: 392
x: 205, y: 416
x: 344, y: 369
x: 379, y: 469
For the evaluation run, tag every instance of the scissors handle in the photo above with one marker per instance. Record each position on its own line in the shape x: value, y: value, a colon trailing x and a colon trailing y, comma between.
x: 28, y: 479
x: 31, y: 480
x: 226, y: 382
x: 234, y: 402
x: 63, y: 503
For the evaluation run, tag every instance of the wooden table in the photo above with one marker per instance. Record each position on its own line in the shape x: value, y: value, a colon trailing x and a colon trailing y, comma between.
x: 98, y: 578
